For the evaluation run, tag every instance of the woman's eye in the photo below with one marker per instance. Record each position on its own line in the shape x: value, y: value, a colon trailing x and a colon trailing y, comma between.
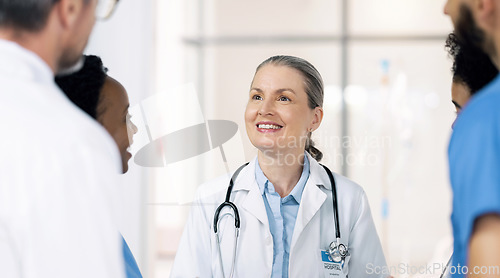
x: 256, y: 97
x: 283, y: 98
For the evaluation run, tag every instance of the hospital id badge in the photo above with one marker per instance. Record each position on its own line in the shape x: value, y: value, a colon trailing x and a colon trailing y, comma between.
x: 332, y: 269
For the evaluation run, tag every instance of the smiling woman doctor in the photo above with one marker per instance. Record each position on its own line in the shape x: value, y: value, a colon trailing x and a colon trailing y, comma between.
x: 282, y: 200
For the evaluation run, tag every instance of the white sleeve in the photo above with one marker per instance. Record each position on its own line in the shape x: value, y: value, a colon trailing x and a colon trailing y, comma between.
x: 57, y: 214
x: 194, y: 255
x: 367, y: 257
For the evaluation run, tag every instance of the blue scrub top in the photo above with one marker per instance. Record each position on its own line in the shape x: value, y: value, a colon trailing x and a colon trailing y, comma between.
x: 474, y: 154
x: 131, y: 267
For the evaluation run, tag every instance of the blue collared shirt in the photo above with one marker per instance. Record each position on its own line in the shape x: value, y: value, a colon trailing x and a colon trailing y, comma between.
x: 131, y: 268
x: 282, y: 213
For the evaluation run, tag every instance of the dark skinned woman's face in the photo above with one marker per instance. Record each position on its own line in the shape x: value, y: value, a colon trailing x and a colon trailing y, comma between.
x: 460, y: 95
x: 113, y: 115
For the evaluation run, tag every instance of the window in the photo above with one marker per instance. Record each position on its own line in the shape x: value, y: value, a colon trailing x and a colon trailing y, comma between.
x: 387, y: 105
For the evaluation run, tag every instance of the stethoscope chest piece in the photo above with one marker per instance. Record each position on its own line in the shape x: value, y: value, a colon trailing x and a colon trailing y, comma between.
x: 337, y: 252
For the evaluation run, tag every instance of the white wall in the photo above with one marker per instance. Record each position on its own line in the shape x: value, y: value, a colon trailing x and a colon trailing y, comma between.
x: 142, y: 47
x: 125, y: 43
x: 410, y: 174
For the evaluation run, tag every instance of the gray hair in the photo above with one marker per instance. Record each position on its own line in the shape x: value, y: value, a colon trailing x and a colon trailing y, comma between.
x: 29, y: 15
x: 313, y: 87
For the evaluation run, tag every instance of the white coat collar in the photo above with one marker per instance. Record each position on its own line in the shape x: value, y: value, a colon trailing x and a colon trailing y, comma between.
x: 18, y: 61
x: 252, y: 202
x: 246, y: 178
x: 312, y: 197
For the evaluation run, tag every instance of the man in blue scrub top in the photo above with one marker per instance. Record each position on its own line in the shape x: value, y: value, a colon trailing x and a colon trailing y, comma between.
x: 474, y: 150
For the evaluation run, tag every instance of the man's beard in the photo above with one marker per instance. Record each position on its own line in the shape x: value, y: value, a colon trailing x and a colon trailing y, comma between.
x: 469, y: 33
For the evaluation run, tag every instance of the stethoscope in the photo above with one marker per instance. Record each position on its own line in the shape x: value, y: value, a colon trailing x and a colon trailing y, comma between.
x: 337, y: 252
x: 444, y: 274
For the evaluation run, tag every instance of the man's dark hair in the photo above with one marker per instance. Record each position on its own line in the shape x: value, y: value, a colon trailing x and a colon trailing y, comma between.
x: 30, y: 15
x: 471, y: 66
x: 84, y: 87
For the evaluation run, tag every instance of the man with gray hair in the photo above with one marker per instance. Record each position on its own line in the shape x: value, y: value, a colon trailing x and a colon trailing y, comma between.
x: 57, y: 218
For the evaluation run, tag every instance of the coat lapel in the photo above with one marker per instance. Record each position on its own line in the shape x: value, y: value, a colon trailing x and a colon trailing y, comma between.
x: 252, y: 202
x: 312, y: 199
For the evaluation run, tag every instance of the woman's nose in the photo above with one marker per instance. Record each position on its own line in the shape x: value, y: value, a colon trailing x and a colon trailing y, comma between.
x: 134, y: 127
x: 266, y: 107
x: 445, y: 8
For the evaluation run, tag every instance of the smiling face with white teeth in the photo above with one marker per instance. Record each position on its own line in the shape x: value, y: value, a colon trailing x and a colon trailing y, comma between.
x: 277, y: 115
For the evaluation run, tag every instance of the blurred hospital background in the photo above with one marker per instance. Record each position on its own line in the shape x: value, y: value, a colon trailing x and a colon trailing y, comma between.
x: 187, y: 66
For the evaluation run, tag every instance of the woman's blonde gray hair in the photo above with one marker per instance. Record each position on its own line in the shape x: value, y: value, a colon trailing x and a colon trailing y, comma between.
x: 313, y: 86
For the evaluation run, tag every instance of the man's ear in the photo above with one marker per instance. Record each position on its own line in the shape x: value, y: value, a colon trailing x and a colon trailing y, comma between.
x: 68, y: 11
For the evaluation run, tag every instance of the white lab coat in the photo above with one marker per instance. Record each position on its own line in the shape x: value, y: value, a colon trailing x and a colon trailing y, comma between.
x: 58, y: 179
x: 197, y: 255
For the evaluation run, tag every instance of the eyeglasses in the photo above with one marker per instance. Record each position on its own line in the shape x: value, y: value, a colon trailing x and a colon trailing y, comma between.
x: 105, y: 8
